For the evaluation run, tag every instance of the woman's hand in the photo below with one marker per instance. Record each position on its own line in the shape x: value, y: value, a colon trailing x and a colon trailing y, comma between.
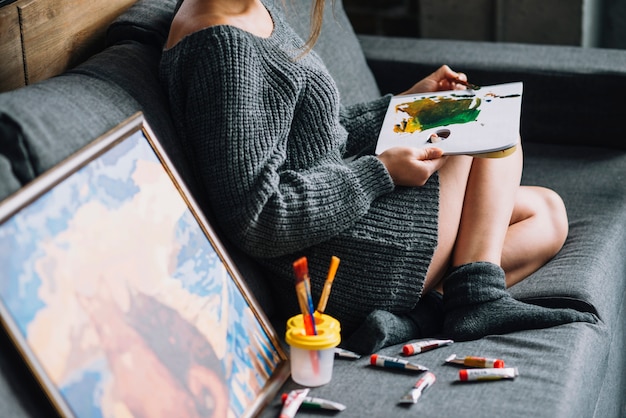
x: 442, y: 79
x: 412, y: 166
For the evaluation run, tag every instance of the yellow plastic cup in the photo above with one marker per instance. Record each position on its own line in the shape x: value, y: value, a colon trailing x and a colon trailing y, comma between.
x: 312, y: 356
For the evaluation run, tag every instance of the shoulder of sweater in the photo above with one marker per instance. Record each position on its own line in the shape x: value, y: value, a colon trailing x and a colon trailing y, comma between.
x: 219, y: 39
x: 210, y: 53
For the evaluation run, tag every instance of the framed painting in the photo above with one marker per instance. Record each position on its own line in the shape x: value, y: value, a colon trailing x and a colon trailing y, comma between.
x: 121, y: 299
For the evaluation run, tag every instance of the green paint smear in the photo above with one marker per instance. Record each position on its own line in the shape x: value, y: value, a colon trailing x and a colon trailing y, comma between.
x: 429, y: 113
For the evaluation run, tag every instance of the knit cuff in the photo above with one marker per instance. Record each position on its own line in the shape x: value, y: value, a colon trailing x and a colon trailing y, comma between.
x: 363, y: 122
x: 373, y: 177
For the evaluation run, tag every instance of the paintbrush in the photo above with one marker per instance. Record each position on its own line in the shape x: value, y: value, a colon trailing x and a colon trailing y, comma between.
x: 467, y: 84
x: 303, y: 290
x: 332, y: 270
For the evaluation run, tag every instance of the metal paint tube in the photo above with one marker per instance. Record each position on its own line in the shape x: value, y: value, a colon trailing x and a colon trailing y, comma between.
x: 424, y: 345
x: 319, y: 403
x: 293, y: 402
x: 343, y: 353
x: 472, y: 361
x: 468, y: 375
x: 395, y: 363
x: 421, y: 385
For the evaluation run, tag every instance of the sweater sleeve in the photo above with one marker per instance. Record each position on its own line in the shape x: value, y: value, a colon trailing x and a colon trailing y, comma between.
x: 237, y: 121
x: 363, y: 122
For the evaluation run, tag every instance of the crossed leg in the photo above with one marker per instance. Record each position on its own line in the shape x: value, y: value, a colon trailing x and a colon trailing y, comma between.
x: 504, y: 233
x: 486, y: 220
x: 485, y: 215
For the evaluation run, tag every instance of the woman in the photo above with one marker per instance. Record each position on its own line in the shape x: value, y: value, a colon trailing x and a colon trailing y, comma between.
x: 261, y: 121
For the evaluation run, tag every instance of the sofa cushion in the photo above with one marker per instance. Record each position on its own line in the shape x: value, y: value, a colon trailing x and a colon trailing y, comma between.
x: 9, y: 183
x: 56, y: 117
x: 133, y: 68
x: 145, y: 21
x: 589, y: 272
x: 561, y: 372
x: 15, y: 169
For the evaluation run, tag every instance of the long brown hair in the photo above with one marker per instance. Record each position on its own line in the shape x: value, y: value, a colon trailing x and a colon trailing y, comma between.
x: 317, y: 17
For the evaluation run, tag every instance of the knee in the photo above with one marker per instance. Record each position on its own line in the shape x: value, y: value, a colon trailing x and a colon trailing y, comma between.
x: 554, y: 213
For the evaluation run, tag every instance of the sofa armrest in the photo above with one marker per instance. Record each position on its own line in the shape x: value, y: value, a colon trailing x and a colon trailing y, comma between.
x: 572, y: 95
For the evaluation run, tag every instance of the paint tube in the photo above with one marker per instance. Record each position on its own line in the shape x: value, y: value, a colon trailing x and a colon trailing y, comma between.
x: 342, y: 353
x: 416, y: 391
x: 467, y: 375
x: 293, y: 402
x: 319, y: 403
x: 472, y: 361
x: 424, y: 345
x: 395, y: 363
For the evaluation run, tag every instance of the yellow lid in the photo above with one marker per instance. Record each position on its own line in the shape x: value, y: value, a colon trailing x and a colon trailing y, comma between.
x: 321, y: 321
x: 325, y: 338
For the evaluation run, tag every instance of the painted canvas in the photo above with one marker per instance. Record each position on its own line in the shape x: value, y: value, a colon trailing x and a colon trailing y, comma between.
x: 458, y: 121
x: 121, y: 298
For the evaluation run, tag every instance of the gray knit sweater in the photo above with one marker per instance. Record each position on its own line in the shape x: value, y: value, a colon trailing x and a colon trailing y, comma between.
x: 268, y: 139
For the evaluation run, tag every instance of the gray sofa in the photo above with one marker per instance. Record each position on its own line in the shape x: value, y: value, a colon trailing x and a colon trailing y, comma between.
x: 575, y: 142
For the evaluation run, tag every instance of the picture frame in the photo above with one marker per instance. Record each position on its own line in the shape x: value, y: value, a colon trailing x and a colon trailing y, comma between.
x: 119, y: 296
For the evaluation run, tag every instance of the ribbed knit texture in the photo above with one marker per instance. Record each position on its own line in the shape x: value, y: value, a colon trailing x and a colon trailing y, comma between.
x: 267, y: 138
x: 476, y: 304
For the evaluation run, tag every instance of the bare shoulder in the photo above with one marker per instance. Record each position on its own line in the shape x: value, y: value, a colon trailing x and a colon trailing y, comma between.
x: 194, y: 16
x: 189, y: 20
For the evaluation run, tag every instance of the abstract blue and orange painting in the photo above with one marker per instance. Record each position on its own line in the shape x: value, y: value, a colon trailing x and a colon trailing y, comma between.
x: 124, y: 302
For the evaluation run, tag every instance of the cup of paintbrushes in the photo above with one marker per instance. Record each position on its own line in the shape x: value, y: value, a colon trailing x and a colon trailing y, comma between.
x: 312, y: 356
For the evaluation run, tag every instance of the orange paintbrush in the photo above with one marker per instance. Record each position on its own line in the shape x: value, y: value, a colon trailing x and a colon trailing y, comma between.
x: 303, y: 290
x: 332, y: 270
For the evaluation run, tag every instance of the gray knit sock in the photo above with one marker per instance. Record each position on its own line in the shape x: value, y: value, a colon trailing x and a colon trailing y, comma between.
x: 476, y: 304
x: 382, y: 329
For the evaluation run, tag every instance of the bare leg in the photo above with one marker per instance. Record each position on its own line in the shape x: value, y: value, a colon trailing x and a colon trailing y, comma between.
x: 453, y: 182
x: 477, y: 197
x: 536, y: 232
x: 491, y: 193
x: 475, y: 301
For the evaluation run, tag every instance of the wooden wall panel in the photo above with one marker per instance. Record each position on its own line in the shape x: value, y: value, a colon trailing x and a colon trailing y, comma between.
x: 11, y: 66
x: 58, y: 35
